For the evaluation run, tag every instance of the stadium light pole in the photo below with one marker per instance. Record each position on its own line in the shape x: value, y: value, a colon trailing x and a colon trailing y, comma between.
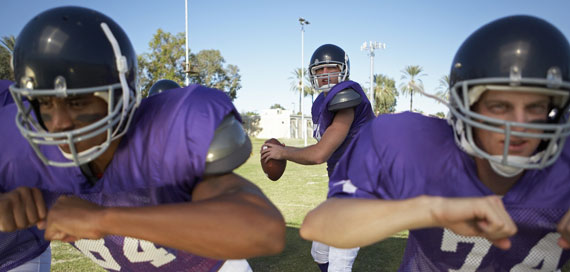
x: 370, y: 47
x: 187, y: 64
x: 303, y: 22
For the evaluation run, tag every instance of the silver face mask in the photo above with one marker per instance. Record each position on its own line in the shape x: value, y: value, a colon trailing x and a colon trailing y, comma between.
x: 464, y: 94
x: 340, y: 76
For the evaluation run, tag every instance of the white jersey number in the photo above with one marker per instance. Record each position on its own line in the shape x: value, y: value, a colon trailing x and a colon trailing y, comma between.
x: 546, y: 251
x: 473, y: 260
x: 88, y: 247
x: 147, y: 253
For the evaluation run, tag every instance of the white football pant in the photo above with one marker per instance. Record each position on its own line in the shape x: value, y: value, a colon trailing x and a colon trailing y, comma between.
x: 339, y: 259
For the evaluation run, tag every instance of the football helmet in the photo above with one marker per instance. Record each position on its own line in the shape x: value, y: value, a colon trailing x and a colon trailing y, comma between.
x: 516, y: 53
x: 69, y: 51
x: 161, y: 86
x: 328, y: 55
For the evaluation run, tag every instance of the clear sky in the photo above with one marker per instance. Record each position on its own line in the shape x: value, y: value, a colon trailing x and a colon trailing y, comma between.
x: 263, y: 38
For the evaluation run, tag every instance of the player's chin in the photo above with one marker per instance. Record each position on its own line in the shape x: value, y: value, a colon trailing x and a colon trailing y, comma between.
x: 65, y: 148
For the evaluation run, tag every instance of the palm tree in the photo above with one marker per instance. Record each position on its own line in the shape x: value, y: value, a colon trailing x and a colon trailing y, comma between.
x: 411, y: 74
x: 296, y: 84
x: 385, y: 94
x: 9, y: 42
x: 6, y: 50
x: 443, y: 88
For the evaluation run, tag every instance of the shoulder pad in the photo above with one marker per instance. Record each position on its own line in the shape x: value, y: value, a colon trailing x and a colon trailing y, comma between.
x: 230, y: 147
x: 347, y: 98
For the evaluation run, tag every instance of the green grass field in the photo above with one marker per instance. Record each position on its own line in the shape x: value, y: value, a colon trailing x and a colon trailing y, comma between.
x: 300, y: 189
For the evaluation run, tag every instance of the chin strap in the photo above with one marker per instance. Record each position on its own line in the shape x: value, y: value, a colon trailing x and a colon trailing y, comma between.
x: 86, y: 170
x: 84, y: 153
x: 505, y: 170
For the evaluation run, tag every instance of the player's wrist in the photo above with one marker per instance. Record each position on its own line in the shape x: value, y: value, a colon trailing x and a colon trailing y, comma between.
x: 433, y: 207
x: 106, y: 220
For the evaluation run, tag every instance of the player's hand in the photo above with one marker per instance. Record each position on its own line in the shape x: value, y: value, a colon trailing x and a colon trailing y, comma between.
x: 564, y: 230
x: 72, y: 218
x: 484, y: 216
x: 272, y: 151
x: 21, y: 208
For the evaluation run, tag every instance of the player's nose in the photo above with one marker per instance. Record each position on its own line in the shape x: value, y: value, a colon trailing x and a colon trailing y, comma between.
x: 60, y: 120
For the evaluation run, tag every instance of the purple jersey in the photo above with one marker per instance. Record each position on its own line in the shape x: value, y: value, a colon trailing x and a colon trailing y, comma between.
x: 322, y: 117
x: 159, y: 160
x: 5, y: 96
x: 390, y: 160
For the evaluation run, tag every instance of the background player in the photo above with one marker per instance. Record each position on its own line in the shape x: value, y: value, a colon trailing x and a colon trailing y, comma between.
x: 161, y: 86
x: 150, y: 185
x: 338, y: 113
x: 496, y: 201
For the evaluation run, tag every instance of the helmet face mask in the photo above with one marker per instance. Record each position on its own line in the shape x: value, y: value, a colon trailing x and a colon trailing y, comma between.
x: 109, y: 73
x: 328, y: 55
x: 552, y: 131
x: 32, y: 127
x: 520, y: 54
x: 331, y: 78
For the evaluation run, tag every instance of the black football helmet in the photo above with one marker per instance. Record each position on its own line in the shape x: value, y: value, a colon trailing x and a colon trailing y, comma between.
x: 516, y: 53
x: 161, y: 86
x: 328, y: 55
x: 71, y: 51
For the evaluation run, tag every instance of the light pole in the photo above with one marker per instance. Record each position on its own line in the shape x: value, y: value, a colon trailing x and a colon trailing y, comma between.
x: 303, y: 22
x: 370, y: 47
x: 187, y: 64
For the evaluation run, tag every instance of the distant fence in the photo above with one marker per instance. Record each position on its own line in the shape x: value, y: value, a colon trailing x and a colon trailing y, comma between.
x: 251, y: 124
x: 296, y: 127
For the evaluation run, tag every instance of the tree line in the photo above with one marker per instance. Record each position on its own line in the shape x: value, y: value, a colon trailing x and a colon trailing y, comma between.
x: 166, y: 60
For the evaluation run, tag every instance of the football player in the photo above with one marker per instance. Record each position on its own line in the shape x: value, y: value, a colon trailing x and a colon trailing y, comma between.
x: 134, y: 185
x: 338, y: 113
x: 488, y: 192
x: 161, y: 86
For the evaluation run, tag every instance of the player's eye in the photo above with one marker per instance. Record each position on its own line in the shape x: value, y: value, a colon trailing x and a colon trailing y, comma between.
x: 497, y: 107
x: 539, y: 108
x: 77, y: 103
x: 45, y: 103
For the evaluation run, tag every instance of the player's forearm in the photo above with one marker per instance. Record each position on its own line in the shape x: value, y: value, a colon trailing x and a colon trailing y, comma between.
x: 347, y: 223
x: 239, y: 225
x: 310, y: 155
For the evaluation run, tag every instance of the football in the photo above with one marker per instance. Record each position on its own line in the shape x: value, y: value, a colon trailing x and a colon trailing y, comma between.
x: 273, y: 168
